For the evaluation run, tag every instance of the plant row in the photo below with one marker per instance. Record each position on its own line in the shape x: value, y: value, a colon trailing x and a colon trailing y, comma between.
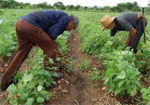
x: 124, y: 69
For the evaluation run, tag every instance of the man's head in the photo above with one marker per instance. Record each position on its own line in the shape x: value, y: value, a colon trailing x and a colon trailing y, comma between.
x: 107, y: 22
x: 73, y: 23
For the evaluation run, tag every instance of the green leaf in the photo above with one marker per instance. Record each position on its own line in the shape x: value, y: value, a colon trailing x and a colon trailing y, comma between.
x: 53, y: 82
x: 117, y: 91
x: 9, y: 54
x: 121, y: 75
x: 94, y: 69
x: 146, y: 94
x: 51, y: 61
x: 133, y: 92
x: 109, y: 43
x: 106, y: 80
x: 27, y: 77
x: 58, y: 59
x: 29, y: 101
x: 121, y: 83
x: 11, y: 88
x: 40, y: 100
x: 24, y: 95
x: 39, y: 88
x: 14, y: 102
x: 56, y: 74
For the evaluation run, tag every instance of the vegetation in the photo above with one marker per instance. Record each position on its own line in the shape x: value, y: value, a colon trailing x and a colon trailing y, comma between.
x: 121, y: 7
x: 95, y: 75
x: 8, y: 40
x: 123, y: 68
x: 84, y: 65
x: 32, y: 84
x: 146, y: 95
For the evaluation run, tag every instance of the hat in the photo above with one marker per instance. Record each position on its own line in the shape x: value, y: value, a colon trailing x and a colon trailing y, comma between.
x: 106, y: 21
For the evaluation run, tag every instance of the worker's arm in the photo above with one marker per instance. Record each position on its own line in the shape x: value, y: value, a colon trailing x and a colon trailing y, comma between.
x: 125, y: 25
x: 131, y: 36
x: 113, y: 32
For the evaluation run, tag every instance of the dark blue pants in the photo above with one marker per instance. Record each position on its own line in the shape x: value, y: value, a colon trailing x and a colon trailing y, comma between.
x: 136, y: 39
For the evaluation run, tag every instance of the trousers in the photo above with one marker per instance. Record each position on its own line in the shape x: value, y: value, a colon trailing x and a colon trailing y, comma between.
x: 140, y: 30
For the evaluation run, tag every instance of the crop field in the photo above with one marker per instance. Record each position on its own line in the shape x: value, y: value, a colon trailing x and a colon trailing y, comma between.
x: 124, y: 76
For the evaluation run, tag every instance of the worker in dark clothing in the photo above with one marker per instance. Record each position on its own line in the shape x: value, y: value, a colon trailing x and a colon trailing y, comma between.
x: 133, y: 22
x: 40, y: 28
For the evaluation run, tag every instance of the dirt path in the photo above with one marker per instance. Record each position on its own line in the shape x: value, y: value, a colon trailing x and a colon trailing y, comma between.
x: 76, y: 88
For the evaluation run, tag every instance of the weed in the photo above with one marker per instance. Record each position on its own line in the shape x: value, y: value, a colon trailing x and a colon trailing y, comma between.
x: 95, y: 75
x: 85, y: 64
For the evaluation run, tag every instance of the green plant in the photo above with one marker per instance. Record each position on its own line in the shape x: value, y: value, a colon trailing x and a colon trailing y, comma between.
x: 122, y: 66
x: 84, y: 65
x: 95, y: 75
x: 146, y: 95
x: 7, y: 46
x: 67, y: 65
x: 32, y: 84
x: 8, y: 40
x: 62, y: 39
x: 143, y: 59
x: 122, y: 78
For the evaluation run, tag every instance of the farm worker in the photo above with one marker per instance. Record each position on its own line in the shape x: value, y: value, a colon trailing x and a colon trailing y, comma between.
x: 41, y: 28
x: 133, y: 22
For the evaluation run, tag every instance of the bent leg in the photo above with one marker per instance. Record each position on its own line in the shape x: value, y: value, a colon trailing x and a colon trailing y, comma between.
x: 15, y: 65
x: 25, y: 46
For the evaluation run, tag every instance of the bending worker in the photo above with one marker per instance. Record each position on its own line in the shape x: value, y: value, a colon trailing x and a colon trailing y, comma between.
x: 133, y: 22
x: 41, y: 28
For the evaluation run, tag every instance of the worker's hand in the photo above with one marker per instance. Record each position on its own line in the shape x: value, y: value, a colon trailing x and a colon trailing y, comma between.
x: 132, y: 33
x: 131, y: 36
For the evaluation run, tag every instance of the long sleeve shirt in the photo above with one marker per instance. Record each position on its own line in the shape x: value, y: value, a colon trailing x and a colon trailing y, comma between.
x: 52, y: 22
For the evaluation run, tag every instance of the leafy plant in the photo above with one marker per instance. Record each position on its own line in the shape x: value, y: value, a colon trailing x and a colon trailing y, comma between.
x: 84, y: 65
x: 7, y: 46
x: 95, y: 75
x: 62, y: 39
x: 31, y: 86
x: 122, y: 78
x: 122, y: 66
x: 143, y: 59
x: 146, y: 95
